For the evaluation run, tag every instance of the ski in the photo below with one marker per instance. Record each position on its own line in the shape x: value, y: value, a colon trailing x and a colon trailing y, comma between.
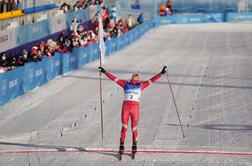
x: 133, y: 155
x: 121, y: 150
x: 134, y: 150
x: 120, y: 156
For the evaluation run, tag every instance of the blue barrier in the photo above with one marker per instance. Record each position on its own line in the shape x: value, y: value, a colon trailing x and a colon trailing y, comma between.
x: 192, y: 19
x: 93, y: 52
x: 34, y: 75
x: 82, y: 56
x: 108, y: 47
x: 113, y: 45
x: 237, y: 17
x: 11, y: 85
x: 23, y: 79
x: 53, y: 67
x: 39, y: 8
x: 201, y: 6
x: 28, y: 33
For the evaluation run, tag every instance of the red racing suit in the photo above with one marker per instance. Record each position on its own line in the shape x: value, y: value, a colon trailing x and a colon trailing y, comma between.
x: 130, y: 108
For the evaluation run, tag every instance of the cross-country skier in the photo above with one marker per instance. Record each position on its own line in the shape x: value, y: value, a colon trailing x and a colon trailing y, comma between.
x: 130, y: 108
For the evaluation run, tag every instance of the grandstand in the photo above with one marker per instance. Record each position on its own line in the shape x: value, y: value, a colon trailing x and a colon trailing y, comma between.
x: 21, y: 19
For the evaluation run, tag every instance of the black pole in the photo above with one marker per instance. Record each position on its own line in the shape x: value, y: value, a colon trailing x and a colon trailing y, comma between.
x: 33, y: 10
x: 175, y: 104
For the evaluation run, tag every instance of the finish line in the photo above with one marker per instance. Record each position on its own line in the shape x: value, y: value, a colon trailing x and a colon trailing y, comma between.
x: 72, y: 150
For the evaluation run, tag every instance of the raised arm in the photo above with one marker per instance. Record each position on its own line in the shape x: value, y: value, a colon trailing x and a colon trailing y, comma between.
x: 145, y: 84
x: 112, y: 77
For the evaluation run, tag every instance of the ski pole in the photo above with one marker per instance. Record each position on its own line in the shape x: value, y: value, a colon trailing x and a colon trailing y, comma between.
x: 101, y: 98
x: 102, y: 54
x: 175, y: 105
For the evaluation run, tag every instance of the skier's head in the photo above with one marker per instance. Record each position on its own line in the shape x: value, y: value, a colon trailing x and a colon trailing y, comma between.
x: 135, y: 78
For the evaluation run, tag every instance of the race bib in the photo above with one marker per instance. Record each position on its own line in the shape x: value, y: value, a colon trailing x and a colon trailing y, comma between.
x: 132, y: 92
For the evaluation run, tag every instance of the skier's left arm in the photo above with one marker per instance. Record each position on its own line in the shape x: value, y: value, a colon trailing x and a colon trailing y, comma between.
x: 145, y: 84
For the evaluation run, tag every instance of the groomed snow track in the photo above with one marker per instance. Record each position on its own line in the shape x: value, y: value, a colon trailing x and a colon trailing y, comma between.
x: 210, y: 66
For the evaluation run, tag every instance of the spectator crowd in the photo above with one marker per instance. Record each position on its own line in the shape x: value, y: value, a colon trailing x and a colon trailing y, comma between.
x: 9, y: 5
x: 81, y: 4
x: 79, y: 36
x: 166, y: 9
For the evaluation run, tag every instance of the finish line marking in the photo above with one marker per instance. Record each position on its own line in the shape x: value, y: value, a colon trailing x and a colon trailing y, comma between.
x: 72, y: 150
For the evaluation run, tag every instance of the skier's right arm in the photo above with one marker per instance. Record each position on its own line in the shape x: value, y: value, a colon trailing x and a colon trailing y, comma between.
x: 112, y: 77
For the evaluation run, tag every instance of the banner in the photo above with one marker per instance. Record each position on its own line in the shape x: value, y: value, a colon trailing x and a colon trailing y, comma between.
x: 108, y: 47
x: 7, y: 39
x: 57, y: 24
x: 82, y: 56
x: 113, y: 45
x: 93, y: 52
x: 32, y: 32
x: 65, y: 62
x: 135, y: 4
x: 238, y: 17
x: 34, y: 75
x: 192, y: 19
x: 53, y: 67
x: 10, y: 83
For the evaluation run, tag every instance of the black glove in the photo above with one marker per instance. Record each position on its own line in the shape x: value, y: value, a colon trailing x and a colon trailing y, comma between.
x: 164, y: 70
x: 101, y: 69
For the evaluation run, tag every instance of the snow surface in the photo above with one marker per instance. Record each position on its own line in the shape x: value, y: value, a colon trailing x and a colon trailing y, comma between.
x: 210, y: 66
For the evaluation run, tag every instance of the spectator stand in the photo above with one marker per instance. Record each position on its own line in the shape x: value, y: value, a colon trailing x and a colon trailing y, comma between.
x: 30, y: 5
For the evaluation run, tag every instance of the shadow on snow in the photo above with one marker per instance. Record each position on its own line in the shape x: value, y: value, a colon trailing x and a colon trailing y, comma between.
x: 227, y: 127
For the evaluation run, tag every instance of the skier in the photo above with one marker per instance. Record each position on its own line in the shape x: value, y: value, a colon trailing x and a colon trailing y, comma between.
x: 130, y: 108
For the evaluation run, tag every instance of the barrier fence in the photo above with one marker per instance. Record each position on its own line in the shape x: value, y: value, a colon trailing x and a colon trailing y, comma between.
x: 204, y: 18
x: 23, y: 79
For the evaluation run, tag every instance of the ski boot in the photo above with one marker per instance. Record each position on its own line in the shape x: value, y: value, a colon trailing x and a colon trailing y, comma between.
x: 134, y: 150
x: 121, y: 150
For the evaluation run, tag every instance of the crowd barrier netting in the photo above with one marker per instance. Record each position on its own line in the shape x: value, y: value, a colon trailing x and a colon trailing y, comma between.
x: 23, y: 79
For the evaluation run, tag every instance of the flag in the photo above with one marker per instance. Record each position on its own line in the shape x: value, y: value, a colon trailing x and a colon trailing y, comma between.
x: 101, y: 40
